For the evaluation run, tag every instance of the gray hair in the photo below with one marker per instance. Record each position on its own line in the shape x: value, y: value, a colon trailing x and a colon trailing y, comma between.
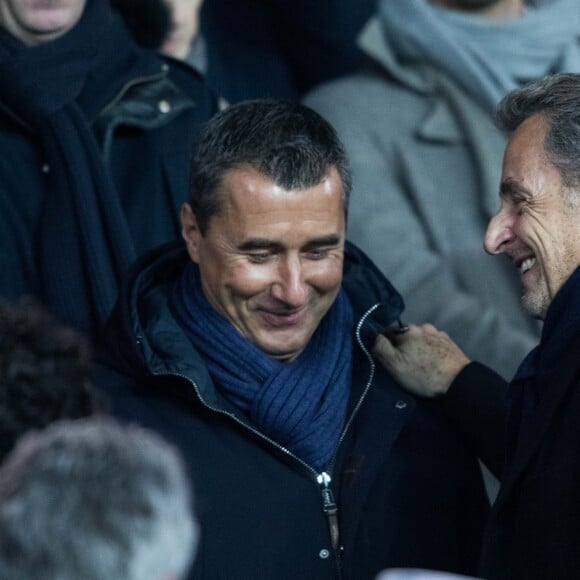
x: 557, y: 99
x: 92, y: 500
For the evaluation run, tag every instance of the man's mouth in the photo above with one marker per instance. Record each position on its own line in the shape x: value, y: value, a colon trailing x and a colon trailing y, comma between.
x: 283, y: 318
x: 526, y: 264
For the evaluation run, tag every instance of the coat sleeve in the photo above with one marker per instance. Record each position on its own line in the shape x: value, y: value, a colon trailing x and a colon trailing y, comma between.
x: 386, y: 224
x: 476, y: 403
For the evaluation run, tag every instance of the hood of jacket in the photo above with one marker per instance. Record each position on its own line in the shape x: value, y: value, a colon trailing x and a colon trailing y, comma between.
x: 142, y: 338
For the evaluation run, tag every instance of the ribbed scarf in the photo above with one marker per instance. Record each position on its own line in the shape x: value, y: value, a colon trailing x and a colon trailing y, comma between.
x: 300, y: 404
x: 84, y: 240
x: 487, y: 58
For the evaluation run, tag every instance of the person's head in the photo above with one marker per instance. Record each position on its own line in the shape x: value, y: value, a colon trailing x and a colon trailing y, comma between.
x: 91, y: 499
x: 44, y: 372
x: 538, y: 224
x: 266, y: 220
x: 184, y: 24
x: 37, y: 21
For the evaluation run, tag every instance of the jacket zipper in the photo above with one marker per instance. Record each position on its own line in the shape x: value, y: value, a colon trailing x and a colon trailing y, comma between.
x: 324, y: 478
x: 328, y: 504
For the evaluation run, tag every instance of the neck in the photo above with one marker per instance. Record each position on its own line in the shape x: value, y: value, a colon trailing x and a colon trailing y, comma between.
x: 498, y: 10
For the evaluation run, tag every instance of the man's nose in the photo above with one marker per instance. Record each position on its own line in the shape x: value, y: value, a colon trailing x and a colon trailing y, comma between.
x: 499, y: 233
x: 290, y: 286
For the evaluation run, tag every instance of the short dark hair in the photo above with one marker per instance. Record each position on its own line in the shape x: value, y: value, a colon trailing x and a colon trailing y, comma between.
x: 91, y: 499
x: 44, y: 371
x: 557, y: 99
x: 288, y: 143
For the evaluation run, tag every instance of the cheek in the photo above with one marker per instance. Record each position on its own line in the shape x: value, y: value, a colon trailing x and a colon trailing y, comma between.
x: 325, y: 278
x: 247, y: 280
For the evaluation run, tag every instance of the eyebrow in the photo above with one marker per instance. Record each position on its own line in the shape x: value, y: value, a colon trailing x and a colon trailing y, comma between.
x: 266, y: 244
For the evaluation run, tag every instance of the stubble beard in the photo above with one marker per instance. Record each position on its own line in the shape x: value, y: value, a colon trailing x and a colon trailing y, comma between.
x: 536, y: 300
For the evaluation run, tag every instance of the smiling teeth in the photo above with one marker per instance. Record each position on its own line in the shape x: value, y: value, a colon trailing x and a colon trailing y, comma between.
x: 527, y: 264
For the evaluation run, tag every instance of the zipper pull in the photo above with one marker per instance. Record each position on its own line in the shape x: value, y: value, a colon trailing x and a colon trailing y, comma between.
x: 330, y: 509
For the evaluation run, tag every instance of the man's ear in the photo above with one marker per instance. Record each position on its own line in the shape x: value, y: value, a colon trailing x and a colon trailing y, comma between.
x: 190, y: 232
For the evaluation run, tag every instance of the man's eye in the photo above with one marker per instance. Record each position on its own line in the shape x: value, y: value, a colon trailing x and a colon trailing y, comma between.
x: 317, y: 254
x: 520, y: 204
x: 259, y: 257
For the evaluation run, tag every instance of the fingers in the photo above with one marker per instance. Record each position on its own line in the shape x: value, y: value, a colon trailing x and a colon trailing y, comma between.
x: 383, y: 348
x: 429, y: 328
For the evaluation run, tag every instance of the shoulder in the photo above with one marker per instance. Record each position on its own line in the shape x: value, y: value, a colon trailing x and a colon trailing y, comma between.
x: 370, y: 87
x: 370, y: 100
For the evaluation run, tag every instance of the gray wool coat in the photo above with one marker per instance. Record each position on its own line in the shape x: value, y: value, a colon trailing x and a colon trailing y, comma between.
x: 426, y: 163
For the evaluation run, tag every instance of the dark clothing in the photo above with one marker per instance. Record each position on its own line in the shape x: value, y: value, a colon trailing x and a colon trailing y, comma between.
x: 94, y: 138
x: 408, y: 491
x: 280, y: 49
x: 531, y: 438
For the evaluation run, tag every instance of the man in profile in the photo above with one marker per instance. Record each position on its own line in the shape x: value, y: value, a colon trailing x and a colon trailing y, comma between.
x: 247, y: 344
x: 530, y: 437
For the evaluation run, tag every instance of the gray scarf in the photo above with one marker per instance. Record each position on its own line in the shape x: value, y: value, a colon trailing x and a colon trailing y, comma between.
x: 487, y: 58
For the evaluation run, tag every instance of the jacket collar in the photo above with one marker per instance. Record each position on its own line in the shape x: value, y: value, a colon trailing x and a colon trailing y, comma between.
x: 554, y: 364
x: 439, y: 124
x: 451, y: 118
x: 373, y: 43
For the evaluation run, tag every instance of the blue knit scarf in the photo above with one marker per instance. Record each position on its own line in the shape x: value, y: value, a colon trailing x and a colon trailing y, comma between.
x: 300, y: 404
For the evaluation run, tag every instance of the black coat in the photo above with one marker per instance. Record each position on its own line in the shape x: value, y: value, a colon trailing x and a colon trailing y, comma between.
x: 534, y: 528
x: 408, y: 491
x: 280, y: 49
x: 144, y: 113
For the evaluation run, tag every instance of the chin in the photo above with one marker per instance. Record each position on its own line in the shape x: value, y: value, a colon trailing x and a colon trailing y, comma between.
x: 284, y: 353
x: 536, y: 305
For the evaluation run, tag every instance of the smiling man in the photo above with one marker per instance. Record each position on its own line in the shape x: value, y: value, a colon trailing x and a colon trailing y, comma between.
x: 529, y: 438
x: 249, y: 347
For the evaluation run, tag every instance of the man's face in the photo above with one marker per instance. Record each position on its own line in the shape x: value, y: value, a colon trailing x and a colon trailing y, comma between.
x: 37, y: 21
x: 271, y: 259
x: 535, y: 226
x: 184, y: 25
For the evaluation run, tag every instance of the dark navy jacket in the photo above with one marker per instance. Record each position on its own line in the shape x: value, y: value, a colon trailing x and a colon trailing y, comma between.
x: 528, y: 433
x: 408, y: 492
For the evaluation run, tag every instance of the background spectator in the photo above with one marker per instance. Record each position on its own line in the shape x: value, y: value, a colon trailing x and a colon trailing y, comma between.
x: 276, y: 48
x: 92, y: 500
x: 95, y: 134
x: 44, y: 370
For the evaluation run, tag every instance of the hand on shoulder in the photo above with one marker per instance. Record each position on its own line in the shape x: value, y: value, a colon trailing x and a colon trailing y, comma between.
x: 424, y: 360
